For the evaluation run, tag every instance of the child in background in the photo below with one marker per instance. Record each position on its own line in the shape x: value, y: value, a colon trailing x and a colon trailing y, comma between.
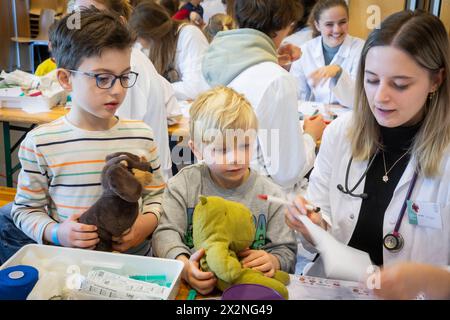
x: 45, y: 67
x: 302, y: 32
x: 212, y: 7
x: 62, y: 160
x: 175, y: 48
x: 218, y: 22
x: 223, y: 171
x: 191, y: 11
x: 170, y: 5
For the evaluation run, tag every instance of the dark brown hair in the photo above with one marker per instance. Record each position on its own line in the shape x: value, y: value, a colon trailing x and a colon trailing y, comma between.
x: 320, y: 7
x: 307, y: 5
x: 170, y: 5
x: 121, y: 7
x: 150, y: 21
x: 97, y: 31
x: 267, y: 16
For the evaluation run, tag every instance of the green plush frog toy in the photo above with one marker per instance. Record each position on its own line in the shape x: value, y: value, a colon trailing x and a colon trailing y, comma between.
x: 224, y: 228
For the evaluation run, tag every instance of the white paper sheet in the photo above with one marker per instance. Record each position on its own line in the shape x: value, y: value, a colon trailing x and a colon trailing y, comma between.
x: 313, y: 288
x: 339, y: 260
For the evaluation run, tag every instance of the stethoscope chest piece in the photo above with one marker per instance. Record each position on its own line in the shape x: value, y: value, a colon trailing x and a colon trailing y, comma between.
x: 393, y: 242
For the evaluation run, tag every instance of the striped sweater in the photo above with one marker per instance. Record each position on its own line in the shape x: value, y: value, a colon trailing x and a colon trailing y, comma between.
x: 61, y: 169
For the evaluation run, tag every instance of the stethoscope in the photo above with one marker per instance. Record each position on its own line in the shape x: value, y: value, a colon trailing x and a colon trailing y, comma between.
x: 393, y: 241
x: 346, y: 190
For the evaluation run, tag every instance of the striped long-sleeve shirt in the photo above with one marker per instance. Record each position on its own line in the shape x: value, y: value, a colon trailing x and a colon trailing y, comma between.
x: 61, y: 169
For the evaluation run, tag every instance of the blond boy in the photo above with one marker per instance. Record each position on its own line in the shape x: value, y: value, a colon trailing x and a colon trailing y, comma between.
x: 223, y: 129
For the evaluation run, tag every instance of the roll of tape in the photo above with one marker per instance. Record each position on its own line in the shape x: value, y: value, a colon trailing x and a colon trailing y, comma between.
x: 17, y: 282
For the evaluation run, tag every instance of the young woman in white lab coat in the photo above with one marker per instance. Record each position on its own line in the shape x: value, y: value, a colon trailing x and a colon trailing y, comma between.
x: 326, y: 71
x: 175, y: 48
x: 382, y: 175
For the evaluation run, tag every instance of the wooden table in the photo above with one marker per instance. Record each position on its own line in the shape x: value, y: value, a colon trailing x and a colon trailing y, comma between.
x: 8, y: 115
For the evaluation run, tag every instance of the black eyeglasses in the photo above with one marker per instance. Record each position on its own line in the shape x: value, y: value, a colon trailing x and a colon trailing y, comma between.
x: 107, y: 80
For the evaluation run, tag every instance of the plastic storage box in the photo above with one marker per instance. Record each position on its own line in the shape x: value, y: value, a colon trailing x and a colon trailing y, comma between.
x: 39, y: 102
x: 86, y: 260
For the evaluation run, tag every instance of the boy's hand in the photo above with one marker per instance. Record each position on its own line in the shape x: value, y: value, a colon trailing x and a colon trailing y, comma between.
x: 139, y: 231
x: 314, y: 126
x: 203, y: 282
x: 260, y: 260
x: 287, y: 54
x: 77, y: 235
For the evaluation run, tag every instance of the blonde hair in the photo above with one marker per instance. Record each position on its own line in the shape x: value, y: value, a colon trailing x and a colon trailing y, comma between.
x: 218, y: 22
x: 424, y: 38
x: 220, y: 109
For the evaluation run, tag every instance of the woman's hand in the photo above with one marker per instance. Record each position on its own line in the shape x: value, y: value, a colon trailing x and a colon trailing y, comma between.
x: 299, y: 208
x: 407, y: 280
x: 322, y: 74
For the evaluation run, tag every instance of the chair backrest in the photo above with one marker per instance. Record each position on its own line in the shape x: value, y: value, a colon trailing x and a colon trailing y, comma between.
x: 46, y: 19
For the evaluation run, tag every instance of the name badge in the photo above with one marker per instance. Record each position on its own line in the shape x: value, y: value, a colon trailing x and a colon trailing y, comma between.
x: 424, y: 214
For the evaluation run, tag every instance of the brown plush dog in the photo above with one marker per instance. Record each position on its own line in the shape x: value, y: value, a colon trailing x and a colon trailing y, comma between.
x: 123, y: 178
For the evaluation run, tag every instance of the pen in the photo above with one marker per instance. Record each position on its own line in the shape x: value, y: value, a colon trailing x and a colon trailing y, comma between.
x: 285, y: 202
x: 314, y: 115
x: 191, y: 295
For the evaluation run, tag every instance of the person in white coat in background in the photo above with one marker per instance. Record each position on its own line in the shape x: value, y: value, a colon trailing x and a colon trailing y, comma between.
x: 302, y: 32
x: 176, y: 48
x: 213, y: 7
x: 327, y: 69
x: 382, y: 175
x: 151, y: 99
x: 246, y: 60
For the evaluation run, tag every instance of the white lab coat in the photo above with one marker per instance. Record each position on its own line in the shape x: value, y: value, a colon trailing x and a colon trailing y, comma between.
x: 271, y: 91
x: 421, y: 244
x: 191, y: 47
x: 146, y: 101
x: 212, y: 7
x: 299, y: 38
x: 329, y: 92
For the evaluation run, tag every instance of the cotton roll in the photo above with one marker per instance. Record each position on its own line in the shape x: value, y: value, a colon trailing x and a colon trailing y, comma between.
x: 17, y: 282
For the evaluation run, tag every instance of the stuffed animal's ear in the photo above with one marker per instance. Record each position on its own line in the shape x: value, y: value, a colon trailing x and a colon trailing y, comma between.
x: 144, y: 177
x: 123, y: 154
x: 203, y: 199
x: 123, y: 183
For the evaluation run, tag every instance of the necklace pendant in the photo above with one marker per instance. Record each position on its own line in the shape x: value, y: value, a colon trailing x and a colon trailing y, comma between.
x: 385, y: 179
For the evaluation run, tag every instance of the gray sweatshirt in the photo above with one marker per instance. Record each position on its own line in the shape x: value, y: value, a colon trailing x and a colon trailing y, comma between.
x: 173, y: 235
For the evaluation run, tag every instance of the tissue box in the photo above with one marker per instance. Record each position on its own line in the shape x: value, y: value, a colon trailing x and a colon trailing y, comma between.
x: 85, y: 260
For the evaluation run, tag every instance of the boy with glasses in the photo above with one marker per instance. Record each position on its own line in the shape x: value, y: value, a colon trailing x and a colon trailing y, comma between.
x: 62, y: 161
